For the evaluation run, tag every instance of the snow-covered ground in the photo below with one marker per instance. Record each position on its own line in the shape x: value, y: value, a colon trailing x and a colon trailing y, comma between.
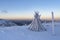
x: 22, y: 33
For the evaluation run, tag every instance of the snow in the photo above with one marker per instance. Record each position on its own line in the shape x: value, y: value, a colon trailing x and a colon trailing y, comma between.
x: 23, y: 33
x: 4, y: 22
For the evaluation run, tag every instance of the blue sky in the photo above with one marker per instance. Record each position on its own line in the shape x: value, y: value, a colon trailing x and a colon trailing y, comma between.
x: 24, y: 9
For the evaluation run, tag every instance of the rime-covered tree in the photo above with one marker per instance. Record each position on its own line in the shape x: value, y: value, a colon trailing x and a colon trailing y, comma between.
x: 36, y: 24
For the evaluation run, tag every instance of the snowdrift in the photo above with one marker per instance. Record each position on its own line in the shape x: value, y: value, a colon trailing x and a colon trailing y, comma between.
x: 23, y: 33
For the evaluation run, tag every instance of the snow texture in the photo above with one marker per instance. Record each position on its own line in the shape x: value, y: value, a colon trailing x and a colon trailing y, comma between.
x: 22, y: 33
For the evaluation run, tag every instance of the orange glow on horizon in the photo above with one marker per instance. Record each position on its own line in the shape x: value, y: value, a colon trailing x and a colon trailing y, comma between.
x: 27, y: 17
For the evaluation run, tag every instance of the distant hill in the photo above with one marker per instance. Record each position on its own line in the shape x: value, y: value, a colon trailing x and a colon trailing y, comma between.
x: 27, y: 22
x: 4, y: 22
x: 7, y: 22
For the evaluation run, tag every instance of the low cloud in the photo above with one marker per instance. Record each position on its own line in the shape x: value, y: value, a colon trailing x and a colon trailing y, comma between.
x: 4, y: 11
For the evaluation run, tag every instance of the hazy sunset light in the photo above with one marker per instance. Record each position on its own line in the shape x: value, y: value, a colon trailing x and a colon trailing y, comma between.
x: 24, y: 9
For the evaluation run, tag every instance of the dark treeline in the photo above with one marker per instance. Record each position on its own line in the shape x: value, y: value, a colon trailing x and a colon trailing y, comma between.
x: 27, y: 22
x: 22, y: 22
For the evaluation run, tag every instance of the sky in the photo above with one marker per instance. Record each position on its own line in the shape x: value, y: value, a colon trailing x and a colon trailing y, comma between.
x: 24, y: 9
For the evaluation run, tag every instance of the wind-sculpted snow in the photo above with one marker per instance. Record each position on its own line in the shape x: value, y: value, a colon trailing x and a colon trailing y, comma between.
x: 22, y: 33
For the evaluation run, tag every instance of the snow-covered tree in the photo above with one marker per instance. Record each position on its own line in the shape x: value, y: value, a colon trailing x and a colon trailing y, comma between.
x: 36, y: 24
